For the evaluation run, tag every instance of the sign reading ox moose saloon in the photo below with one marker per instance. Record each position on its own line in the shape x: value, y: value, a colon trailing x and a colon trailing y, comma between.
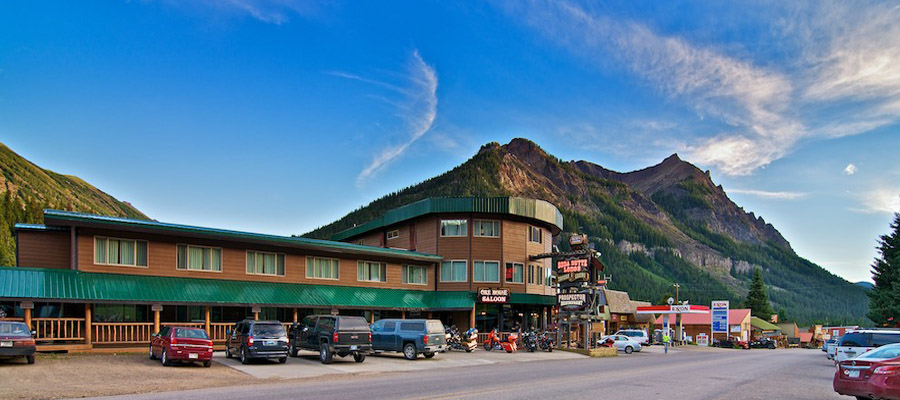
x: 493, y: 295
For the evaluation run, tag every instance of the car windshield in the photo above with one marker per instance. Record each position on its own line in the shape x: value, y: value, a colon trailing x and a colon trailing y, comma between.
x: 14, y: 329
x: 435, y: 326
x: 884, y: 352
x: 353, y: 323
x: 269, y: 330
x: 191, y: 333
x: 856, y: 339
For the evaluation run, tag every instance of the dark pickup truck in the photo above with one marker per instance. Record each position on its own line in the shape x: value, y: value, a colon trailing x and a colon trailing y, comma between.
x: 409, y: 336
x: 330, y: 335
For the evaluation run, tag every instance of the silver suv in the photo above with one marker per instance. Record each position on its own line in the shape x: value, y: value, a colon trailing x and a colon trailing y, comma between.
x: 636, y: 334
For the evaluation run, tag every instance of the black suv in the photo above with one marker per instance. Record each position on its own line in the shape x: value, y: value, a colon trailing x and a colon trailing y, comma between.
x: 332, y: 334
x: 257, y: 339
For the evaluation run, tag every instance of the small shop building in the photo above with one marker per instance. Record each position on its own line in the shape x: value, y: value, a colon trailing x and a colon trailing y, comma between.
x: 739, y: 324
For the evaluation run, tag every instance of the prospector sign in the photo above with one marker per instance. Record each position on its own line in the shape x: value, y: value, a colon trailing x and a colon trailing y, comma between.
x: 493, y: 295
x: 572, y: 301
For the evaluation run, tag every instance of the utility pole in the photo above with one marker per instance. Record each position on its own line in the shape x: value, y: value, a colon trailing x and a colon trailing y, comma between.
x: 676, y: 292
x: 678, y: 316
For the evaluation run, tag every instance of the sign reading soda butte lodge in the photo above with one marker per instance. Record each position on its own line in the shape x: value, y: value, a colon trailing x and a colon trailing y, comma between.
x: 493, y: 295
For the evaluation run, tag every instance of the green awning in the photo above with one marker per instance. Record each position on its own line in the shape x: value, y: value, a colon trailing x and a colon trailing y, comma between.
x: 762, y: 324
x: 39, y: 284
x: 523, y: 298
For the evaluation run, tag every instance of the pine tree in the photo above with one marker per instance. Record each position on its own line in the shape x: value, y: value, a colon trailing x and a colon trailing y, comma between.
x: 757, y: 300
x: 884, y: 298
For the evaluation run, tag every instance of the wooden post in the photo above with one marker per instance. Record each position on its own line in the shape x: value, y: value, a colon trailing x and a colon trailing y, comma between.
x: 28, y: 318
x: 472, y: 318
x: 403, y: 314
x: 256, y: 315
x: 206, y: 322
x: 87, y: 323
x: 156, y: 319
x: 372, y: 317
x: 430, y: 315
x: 295, y: 315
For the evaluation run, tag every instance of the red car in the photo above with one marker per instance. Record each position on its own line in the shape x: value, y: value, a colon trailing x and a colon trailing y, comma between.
x: 16, y: 341
x: 175, y: 343
x: 875, y: 374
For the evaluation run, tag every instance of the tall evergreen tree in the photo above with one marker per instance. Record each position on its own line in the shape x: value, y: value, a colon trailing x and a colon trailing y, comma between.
x: 884, y: 298
x: 757, y: 300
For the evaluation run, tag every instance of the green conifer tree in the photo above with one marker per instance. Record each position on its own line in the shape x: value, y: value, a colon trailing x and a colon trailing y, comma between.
x: 757, y: 300
x: 884, y: 298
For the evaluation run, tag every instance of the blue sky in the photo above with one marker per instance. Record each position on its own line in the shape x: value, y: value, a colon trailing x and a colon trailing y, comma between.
x: 281, y: 116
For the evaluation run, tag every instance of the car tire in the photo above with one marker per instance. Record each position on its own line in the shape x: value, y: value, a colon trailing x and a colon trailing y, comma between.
x: 207, y: 364
x: 228, y: 351
x: 282, y: 360
x: 165, y: 358
x: 468, y: 350
x: 152, y: 357
x: 359, y: 357
x: 629, y: 349
x: 410, y: 352
x: 29, y: 359
x: 244, y: 358
x: 428, y: 355
x: 325, y: 355
x: 771, y: 345
x: 293, y: 352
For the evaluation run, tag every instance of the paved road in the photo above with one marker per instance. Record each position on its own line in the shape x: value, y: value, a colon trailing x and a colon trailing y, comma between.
x: 689, y: 374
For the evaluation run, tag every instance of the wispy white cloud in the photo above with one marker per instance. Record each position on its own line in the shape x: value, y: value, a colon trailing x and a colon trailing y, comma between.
x: 269, y: 11
x: 880, y: 199
x: 416, y: 106
x: 850, y: 169
x: 769, y: 195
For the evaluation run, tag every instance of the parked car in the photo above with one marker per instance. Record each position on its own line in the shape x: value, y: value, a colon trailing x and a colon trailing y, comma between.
x: 763, y: 343
x: 250, y: 339
x: 409, y: 336
x: 831, y: 348
x: 636, y: 334
x: 870, y: 375
x: 857, y: 342
x: 622, y: 343
x: 16, y: 340
x: 731, y: 343
x: 177, y: 343
x: 330, y: 335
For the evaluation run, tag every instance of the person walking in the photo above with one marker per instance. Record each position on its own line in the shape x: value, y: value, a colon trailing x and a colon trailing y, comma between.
x: 666, y: 340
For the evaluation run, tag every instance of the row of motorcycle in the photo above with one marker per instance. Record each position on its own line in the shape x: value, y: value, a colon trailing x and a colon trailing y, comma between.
x: 468, y: 341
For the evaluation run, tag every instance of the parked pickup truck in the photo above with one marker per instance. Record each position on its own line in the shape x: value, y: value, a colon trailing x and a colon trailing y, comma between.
x: 330, y: 335
x: 409, y: 336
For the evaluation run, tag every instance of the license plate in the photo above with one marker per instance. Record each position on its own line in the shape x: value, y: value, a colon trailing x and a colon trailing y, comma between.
x: 853, y: 374
x: 193, y: 355
x: 353, y: 347
x: 270, y: 342
x: 6, y: 343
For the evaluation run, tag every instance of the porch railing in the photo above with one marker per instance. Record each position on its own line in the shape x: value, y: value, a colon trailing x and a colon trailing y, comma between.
x: 58, y: 329
x: 122, y: 332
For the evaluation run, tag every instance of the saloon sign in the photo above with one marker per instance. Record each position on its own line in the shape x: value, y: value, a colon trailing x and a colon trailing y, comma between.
x: 493, y: 295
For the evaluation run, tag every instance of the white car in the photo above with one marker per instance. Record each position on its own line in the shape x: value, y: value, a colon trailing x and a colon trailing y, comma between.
x: 831, y: 347
x: 622, y: 343
x: 854, y: 343
x: 636, y: 334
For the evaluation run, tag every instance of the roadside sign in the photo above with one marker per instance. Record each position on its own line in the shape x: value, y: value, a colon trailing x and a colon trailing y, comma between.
x: 719, y: 317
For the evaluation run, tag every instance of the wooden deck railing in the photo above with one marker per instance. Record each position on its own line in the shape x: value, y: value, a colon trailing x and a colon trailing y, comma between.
x: 60, y: 329
x: 122, y: 332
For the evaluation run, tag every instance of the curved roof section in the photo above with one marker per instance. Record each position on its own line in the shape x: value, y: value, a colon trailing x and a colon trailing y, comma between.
x: 539, y: 210
x: 63, y: 218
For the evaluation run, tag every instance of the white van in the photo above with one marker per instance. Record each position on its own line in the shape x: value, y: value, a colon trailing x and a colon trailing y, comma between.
x: 635, y: 334
x: 857, y: 342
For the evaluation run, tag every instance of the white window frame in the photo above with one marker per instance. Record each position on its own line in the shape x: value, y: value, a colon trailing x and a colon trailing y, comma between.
x: 540, y: 235
x: 514, y: 264
x: 441, y: 227
x: 440, y: 274
x: 107, y: 239
x: 393, y: 234
x: 499, y: 264
x: 406, y: 274
x: 187, y: 251
x: 337, y: 269
x: 475, y: 228
x: 382, y: 266
x: 256, y: 252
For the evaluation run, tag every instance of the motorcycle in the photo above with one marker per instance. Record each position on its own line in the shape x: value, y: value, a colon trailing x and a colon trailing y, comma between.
x: 465, y: 342
x: 545, y: 342
x: 530, y: 341
x: 493, y: 342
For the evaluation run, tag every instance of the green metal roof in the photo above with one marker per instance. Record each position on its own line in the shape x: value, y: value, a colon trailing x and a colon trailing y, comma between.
x: 529, y: 208
x: 58, y: 217
x: 68, y: 285
x: 763, y: 324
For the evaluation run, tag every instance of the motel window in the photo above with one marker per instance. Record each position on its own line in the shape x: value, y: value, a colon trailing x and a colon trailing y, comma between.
x: 531, y: 274
x: 415, y: 275
x: 540, y: 275
x: 371, y: 271
x: 199, y: 258
x: 454, y: 271
x: 515, y: 273
x: 393, y: 234
x: 113, y: 251
x: 321, y: 268
x: 486, y: 271
x: 454, y: 227
x: 263, y: 263
x: 487, y: 228
x: 534, y: 234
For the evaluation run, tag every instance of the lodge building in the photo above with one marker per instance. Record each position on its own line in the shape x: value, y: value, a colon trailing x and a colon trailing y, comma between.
x: 86, y: 281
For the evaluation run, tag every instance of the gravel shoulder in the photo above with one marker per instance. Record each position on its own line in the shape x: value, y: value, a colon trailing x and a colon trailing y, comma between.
x: 56, y: 376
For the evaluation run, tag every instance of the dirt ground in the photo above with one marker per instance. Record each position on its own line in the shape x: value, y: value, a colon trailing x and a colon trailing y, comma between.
x: 56, y: 376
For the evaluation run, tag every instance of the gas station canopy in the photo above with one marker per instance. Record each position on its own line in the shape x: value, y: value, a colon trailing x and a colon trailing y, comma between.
x: 673, y: 309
